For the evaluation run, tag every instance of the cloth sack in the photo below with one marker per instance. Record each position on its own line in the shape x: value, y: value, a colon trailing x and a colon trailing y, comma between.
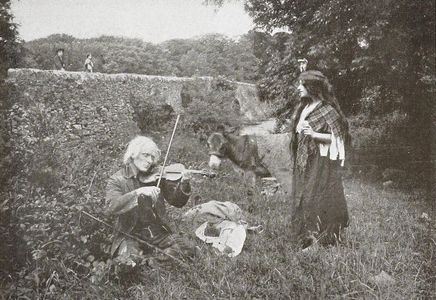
x: 228, y: 221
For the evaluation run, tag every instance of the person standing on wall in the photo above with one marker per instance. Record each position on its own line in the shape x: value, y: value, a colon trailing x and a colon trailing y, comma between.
x: 89, y: 65
x: 319, y: 133
x: 58, y: 62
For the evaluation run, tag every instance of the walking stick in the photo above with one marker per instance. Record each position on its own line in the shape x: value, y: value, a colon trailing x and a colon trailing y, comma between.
x: 135, y: 238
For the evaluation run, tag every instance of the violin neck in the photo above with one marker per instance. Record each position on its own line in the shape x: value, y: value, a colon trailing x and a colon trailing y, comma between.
x: 194, y: 171
x: 202, y: 172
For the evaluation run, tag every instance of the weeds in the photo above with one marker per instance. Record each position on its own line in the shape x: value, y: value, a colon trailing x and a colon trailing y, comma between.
x: 385, y: 234
x: 66, y: 259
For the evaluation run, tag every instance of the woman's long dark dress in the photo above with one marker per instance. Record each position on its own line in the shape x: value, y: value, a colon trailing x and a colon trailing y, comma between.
x: 319, y: 207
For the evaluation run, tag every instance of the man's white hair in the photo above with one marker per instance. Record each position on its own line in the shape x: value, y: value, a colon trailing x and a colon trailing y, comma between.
x: 141, y: 144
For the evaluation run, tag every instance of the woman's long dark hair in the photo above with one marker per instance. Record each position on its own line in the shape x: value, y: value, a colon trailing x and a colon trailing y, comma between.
x: 318, y: 87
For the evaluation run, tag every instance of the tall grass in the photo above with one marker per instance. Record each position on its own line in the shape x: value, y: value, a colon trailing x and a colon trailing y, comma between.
x: 386, y: 234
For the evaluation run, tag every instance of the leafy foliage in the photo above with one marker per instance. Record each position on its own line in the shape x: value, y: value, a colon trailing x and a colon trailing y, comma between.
x: 379, y: 56
x: 204, y: 110
x: 68, y: 139
x: 357, y: 44
x: 9, y: 44
x: 53, y: 182
x: 10, y: 50
x: 209, y: 55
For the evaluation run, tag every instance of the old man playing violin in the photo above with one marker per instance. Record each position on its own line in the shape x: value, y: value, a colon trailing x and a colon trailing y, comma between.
x: 132, y: 196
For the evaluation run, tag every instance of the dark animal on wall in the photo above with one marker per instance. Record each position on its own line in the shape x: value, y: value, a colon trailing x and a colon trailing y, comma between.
x: 241, y: 150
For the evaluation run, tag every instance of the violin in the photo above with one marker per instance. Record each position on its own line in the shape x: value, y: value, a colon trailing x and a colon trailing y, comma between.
x: 174, y: 172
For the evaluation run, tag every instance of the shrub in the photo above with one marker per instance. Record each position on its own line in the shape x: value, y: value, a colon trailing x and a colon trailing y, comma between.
x: 381, y: 143
x: 68, y: 139
x: 205, y: 110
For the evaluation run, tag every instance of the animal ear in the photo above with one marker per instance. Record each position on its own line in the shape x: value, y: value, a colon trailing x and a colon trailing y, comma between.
x: 232, y: 129
x: 220, y: 128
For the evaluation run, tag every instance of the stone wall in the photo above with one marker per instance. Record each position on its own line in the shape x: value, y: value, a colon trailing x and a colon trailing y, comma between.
x: 248, y: 99
x: 158, y: 89
x: 67, y: 133
x: 67, y: 122
x: 63, y: 123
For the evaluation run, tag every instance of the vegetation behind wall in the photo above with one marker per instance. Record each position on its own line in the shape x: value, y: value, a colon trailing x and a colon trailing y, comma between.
x: 69, y: 131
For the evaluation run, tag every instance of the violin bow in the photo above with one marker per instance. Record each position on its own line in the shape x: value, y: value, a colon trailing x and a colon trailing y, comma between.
x: 168, y: 151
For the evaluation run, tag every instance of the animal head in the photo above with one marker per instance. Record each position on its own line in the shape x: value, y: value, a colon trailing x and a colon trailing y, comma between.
x: 217, y: 143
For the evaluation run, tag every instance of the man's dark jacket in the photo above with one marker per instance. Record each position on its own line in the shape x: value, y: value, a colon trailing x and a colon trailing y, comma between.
x: 58, y: 63
x: 122, y: 202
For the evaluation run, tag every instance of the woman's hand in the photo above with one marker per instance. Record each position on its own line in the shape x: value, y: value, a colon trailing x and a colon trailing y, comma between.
x: 307, y: 130
x: 319, y: 137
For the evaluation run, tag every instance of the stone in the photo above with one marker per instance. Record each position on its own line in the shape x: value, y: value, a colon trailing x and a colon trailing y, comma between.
x: 383, y: 279
x: 388, y: 184
x: 275, y: 155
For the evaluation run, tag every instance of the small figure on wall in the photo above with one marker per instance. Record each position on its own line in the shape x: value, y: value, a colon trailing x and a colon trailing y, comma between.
x: 89, y: 65
x: 58, y: 62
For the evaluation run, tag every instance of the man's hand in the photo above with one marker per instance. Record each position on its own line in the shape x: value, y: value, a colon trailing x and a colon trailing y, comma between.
x: 150, y: 191
x: 186, y: 176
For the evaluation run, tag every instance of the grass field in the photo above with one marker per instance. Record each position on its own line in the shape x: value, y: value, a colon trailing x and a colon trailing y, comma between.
x: 386, y: 234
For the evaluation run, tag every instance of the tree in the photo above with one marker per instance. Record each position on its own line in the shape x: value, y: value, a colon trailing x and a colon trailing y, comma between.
x: 10, y: 54
x: 358, y: 44
x: 379, y: 55
x: 361, y: 46
x: 9, y: 43
x: 208, y: 55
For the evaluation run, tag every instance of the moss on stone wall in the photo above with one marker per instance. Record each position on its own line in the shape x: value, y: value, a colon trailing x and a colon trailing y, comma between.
x: 68, y: 131
x: 68, y: 126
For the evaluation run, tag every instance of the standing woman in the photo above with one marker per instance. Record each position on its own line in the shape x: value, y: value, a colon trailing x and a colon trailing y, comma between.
x: 319, y: 132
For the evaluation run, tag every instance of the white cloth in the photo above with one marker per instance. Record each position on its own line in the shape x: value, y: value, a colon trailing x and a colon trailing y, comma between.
x: 231, y: 239
x: 336, y: 149
x: 225, y: 217
x: 215, y: 211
